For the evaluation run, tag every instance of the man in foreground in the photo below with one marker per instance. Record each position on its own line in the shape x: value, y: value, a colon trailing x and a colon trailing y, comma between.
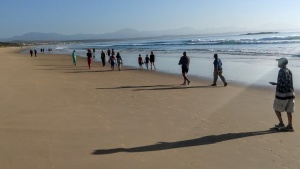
x: 284, y: 98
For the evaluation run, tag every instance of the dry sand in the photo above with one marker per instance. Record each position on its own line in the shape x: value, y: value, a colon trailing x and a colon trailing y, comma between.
x: 55, y: 115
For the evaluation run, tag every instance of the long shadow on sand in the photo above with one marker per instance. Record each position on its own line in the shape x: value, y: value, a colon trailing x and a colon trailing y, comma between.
x: 100, y: 71
x: 133, y: 87
x: 59, y: 65
x: 212, y: 139
x: 179, y: 88
x: 159, y: 87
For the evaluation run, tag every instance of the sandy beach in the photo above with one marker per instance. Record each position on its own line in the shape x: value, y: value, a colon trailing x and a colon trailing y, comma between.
x: 56, y: 115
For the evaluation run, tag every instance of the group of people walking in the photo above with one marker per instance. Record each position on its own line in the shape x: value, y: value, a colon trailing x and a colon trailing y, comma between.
x: 116, y: 60
x: 218, y: 70
x: 33, y: 51
x: 146, y: 61
x: 113, y: 60
x: 184, y: 62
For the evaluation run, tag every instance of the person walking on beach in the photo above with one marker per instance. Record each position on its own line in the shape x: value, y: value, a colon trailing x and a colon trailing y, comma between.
x: 119, y: 61
x: 285, y: 96
x: 103, y: 58
x: 218, y: 71
x: 74, y: 57
x: 152, y: 60
x: 108, y: 52
x: 89, y: 57
x: 31, y: 52
x: 113, y: 52
x: 185, y: 62
x: 140, y: 61
x: 112, y: 61
x: 147, y: 61
x: 94, y: 52
x: 35, y: 52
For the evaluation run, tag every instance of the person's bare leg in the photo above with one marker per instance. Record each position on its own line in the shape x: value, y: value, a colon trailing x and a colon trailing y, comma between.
x: 290, y: 119
x: 186, y: 79
x: 278, y: 114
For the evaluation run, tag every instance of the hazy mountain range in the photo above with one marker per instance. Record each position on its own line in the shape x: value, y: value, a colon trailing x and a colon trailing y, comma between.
x: 121, y: 34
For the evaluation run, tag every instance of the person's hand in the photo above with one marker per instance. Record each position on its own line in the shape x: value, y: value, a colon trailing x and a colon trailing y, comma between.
x: 273, y: 83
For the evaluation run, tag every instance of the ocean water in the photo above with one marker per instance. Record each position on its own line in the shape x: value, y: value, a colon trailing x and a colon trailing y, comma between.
x: 247, y: 58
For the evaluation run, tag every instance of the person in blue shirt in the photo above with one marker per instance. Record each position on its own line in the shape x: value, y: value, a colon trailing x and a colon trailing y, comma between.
x: 285, y: 96
x: 218, y: 71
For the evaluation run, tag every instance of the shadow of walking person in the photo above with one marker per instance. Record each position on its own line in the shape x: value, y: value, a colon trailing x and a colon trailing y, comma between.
x: 212, y: 139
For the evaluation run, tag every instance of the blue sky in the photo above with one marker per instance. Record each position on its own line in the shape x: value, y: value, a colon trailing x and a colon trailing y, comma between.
x: 102, y: 16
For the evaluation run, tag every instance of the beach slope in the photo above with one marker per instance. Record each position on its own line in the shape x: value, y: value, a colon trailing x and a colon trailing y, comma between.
x: 60, y: 116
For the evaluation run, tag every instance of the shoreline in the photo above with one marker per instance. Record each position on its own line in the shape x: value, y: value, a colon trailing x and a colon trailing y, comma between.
x: 236, y: 71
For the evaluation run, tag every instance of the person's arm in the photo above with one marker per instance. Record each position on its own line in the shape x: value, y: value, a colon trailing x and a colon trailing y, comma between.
x: 278, y: 77
x: 180, y: 61
x: 216, y: 65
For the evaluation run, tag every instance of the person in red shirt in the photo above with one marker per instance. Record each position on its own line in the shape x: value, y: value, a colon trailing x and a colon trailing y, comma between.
x: 140, y: 61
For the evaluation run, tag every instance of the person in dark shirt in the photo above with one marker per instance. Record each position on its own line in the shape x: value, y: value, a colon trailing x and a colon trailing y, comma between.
x: 152, y: 60
x: 119, y: 61
x: 147, y: 59
x: 185, y: 62
x: 94, y: 52
x: 103, y: 58
x: 285, y: 96
x: 108, y: 52
x: 35, y: 52
x: 31, y: 52
x: 113, y: 52
x: 218, y: 71
x: 89, y: 57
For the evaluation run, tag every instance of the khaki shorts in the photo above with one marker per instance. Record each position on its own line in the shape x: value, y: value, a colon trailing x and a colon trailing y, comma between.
x: 284, y: 105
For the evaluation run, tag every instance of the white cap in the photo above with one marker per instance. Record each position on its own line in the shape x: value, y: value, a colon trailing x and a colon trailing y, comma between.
x: 283, y: 61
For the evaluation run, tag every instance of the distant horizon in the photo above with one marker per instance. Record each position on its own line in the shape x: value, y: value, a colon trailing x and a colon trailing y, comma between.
x: 205, y: 31
x: 197, y: 33
x: 237, y: 31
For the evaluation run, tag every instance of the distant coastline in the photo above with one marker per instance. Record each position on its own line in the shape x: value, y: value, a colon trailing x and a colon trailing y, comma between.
x: 260, y: 33
x: 5, y: 44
